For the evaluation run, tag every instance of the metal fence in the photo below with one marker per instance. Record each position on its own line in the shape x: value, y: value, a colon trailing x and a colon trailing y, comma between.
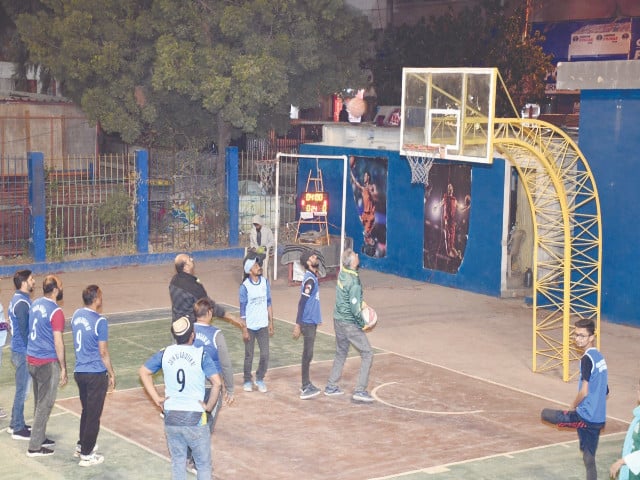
x: 187, y: 202
x: 90, y: 202
x: 15, y: 214
x: 257, y: 189
x: 90, y: 206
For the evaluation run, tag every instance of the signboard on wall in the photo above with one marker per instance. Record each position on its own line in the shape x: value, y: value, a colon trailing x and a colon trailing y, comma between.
x: 599, y: 40
x: 593, y: 40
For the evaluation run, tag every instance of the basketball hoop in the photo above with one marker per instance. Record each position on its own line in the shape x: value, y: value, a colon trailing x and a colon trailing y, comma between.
x: 266, y: 169
x: 421, y: 164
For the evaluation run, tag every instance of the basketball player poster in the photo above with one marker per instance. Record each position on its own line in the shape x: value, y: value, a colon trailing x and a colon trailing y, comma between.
x: 447, y: 205
x: 368, y: 176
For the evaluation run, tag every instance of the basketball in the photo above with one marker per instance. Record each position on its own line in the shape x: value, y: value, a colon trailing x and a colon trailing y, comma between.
x: 370, y: 318
x: 356, y: 107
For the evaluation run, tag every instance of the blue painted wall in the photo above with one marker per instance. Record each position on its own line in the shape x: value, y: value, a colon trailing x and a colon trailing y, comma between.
x: 480, y: 269
x: 609, y: 137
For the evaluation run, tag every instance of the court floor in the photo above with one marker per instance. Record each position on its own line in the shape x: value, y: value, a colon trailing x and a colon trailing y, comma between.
x: 428, y: 422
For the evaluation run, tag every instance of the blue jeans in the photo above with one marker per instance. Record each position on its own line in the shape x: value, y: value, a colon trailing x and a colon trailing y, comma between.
x: 3, y: 340
x: 262, y: 335
x: 350, y: 334
x: 23, y: 382
x: 198, y: 439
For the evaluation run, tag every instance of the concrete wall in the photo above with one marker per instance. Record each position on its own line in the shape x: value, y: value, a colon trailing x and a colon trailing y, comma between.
x: 56, y: 129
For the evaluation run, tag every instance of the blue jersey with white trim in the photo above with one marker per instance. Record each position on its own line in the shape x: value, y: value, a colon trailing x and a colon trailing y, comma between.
x: 89, y: 329
x: 593, y: 408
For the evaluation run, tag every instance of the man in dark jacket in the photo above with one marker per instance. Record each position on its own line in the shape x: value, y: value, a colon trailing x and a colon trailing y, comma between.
x: 186, y: 289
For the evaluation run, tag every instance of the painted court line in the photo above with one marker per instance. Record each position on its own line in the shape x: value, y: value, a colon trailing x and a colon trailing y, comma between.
x: 375, y: 391
x: 447, y: 466
x: 116, y: 434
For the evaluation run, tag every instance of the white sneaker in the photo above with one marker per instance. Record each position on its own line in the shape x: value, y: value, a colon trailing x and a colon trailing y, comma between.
x: 191, y: 466
x: 90, y: 460
x: 78, y: 450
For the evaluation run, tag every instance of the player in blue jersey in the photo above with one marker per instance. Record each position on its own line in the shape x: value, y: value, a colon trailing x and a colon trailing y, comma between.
x: 212, y: 340
x: 185, y: 368
x: 308, y: 318
x: 19, y: 320
x: 588, y: 411
x: 93, y: 371
x: 46, y: 361
x: 256, y: 316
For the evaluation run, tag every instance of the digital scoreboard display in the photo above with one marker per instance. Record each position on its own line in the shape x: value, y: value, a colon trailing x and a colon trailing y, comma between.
x: 316, y: 203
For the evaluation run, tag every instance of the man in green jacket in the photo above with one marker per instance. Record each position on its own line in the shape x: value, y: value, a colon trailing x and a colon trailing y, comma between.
x: 348, y: 324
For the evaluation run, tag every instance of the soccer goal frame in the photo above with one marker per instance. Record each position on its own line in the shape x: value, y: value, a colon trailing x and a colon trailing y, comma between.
x: 345, y: 166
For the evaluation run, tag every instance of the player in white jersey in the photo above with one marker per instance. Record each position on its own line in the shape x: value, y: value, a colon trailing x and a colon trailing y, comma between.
x: 185, y: 368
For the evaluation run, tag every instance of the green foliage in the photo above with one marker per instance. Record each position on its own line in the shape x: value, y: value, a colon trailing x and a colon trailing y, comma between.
x: 483, y: 36
x: 116, y: 214
x: 175, y: 73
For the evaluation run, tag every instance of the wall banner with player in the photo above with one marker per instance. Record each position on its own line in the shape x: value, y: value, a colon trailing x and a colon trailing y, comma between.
x: 368, y: 176
x: 447, y: 205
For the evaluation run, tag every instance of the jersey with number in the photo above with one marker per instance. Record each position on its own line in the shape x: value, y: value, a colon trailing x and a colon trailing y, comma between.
x: 593, y: 407
x: 206, y: 338
x: 19, y: 318
x: 89, y: 328
x: 41, y: 316
x: 185, y: 368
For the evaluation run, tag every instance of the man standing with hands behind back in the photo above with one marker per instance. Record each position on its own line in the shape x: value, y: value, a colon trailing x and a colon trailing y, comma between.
x: 93, y: 373
x: 46, y: 360
x: 19, y: 318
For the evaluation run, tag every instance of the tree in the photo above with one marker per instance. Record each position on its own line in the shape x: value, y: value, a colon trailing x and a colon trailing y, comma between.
x: 483, y: 36
x: 182, y: 72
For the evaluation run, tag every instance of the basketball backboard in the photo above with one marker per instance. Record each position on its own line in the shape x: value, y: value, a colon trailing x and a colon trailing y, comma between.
x: 448, y: 113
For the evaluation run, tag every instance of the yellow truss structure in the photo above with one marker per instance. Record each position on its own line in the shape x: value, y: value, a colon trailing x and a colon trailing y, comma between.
x: 567, y: 235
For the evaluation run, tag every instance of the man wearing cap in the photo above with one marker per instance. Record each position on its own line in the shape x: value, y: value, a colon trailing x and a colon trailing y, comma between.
x: 308, y: 318
x: 185, y: 369
x: 256, y: 315
x: 186, y: 289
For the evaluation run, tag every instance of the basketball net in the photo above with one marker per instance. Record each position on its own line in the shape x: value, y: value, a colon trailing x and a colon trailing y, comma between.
x: 266, y: 169
x: 421, y: 165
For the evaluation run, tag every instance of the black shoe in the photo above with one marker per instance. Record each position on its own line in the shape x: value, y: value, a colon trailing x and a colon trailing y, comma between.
x: 41, y: 452
x: 48, y: 443
x: 11, y: 430
x: 24, y: 434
